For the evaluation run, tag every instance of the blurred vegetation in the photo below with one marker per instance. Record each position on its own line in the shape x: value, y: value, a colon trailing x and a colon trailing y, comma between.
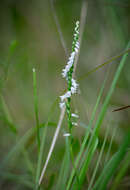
x: 29, y: 39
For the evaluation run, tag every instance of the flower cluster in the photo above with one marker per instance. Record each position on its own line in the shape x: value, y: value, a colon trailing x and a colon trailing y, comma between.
x: 75, y: 48
x: 68, y: 70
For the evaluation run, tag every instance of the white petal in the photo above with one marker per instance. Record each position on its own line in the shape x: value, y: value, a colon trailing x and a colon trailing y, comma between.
x: 69, y: 64
x: 66, y: 134
x: 76, y: 50
x: 74, y: 115
x: 33, y: 70
x: 73, y: 123
x: 73, y: 90
x: 66, y: 95
x: 77, y: 45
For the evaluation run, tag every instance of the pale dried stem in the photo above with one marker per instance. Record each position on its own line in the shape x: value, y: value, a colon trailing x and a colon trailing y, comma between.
x: 58, y: 27
x: 53, y: 143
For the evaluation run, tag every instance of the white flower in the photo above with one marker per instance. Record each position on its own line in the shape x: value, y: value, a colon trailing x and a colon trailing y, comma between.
x: 73, y: 123
x: 73, y: 90
x: 62, y: 104
x: 33, y: 70
x: 66, y: 95
x: 77, y: 44
x: 72, y: 56
x: 77, y: 27
x: 76, y: 47
x: 74, y: 115
x: 66, y: 135
x: 69, y: 65
x: 76, y: 50
x: 74, y: 86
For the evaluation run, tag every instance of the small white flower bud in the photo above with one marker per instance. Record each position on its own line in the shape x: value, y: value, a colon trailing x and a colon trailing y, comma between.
x: 73, y: 123
x: 66, y: 135
x: 33, y: 70
x: 74, y: 115
x: 66, y: 95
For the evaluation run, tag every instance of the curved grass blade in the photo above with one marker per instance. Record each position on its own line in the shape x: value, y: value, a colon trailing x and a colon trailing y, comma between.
x: 64, y: 171
x: 110, y: 145
x: 121, y: 172
x: 17, y: 179
x: 85, y: 165
x: 99, y: 159
x: 18, y: 147
x: 7, y: 116
x: 103, y: 64
x: 111, y: 166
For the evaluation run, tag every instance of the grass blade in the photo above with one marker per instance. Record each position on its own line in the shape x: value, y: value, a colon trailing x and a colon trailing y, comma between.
x: 111, y: 166
x: 110, y: 145
x: 102, y: 113
x: 103, y: 64
x: 17, y: 179
x: 121, y: 172
x: 18, y: 147
x: 86, y: 135
x: 36, y: 107
x: 7, y: 116
x: 86, y: 164
x: 64, y: 171
x: 104, y: 107
x: 99, y: 159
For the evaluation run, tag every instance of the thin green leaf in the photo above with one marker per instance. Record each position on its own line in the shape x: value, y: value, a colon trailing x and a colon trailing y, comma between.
x: 111, y: 166
x: 103, y: 64
x: 110, y: 145
x: 18, y: 147
x: 85, y: 165
x: 17, y: 179
x: 36, y: 107
x: 99, y: 160
x: 121, y: 172
x: 64, y: 171
x: 7, y: 116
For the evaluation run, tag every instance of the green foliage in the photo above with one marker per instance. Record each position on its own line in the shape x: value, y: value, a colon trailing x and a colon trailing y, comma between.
x: 96, y: 153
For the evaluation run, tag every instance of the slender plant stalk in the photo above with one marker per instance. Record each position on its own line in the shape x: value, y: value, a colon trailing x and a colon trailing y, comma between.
x: 43, y: 139
x: 61, y: 115
x: 98, y: 160
x: 110, y: 145
x: 36, y: 107
x: 52, y: 145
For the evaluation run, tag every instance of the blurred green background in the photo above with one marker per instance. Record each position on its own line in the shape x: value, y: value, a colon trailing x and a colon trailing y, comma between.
x: 29, y: 39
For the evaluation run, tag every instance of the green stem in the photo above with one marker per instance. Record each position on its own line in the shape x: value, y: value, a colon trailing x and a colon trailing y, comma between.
x: 36, y: 107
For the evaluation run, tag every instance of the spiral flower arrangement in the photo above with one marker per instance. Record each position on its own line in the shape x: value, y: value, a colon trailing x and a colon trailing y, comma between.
x: 71, y: 82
